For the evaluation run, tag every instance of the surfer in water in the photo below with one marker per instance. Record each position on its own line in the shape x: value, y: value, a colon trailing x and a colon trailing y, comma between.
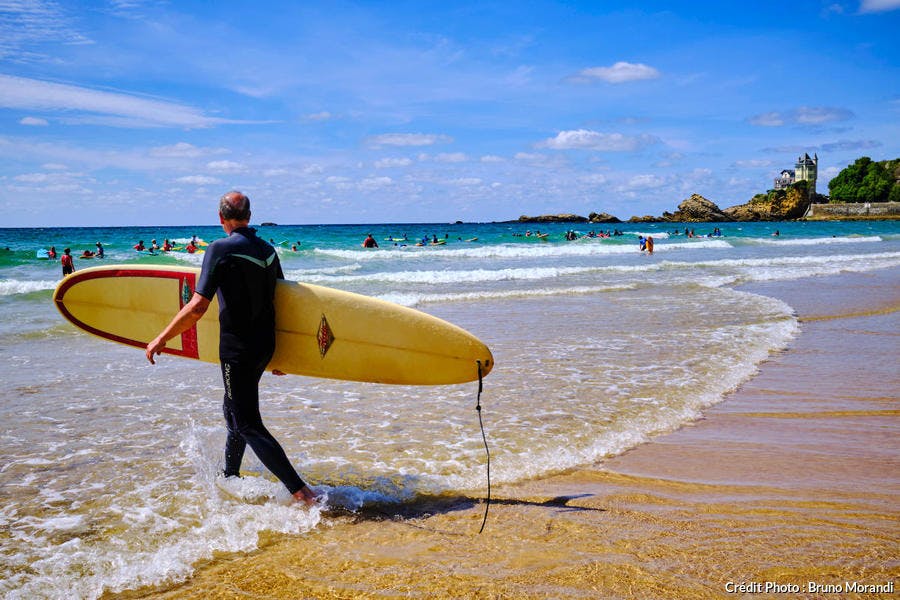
x: 241, y: 270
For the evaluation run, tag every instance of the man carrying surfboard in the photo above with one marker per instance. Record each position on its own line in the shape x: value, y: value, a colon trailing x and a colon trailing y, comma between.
x: 241, y: 271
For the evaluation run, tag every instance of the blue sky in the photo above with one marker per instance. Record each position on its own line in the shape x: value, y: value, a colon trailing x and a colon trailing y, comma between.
x: 130, y: 112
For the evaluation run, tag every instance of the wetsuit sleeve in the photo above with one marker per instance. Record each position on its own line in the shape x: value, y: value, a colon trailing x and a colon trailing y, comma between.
x: 208, y: 283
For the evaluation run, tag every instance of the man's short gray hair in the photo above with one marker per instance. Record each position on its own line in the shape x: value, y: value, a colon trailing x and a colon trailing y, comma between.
x: 234, y: 206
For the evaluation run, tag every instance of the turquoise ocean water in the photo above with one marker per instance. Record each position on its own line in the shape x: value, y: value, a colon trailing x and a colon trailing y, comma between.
x: 109, y: 477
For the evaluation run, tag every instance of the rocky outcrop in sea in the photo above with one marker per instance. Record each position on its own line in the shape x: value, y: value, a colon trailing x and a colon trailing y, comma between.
x: 775, y: 205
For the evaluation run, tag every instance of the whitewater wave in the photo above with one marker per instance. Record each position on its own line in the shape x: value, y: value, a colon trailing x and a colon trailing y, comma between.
x: 871, y: 261
x: 11, y: 287
x: 853, y: 239
x: 413, y: 299
x: 591, y: 247
x: 432, y: 277
x: 309, y: 274
x: 785, y: 268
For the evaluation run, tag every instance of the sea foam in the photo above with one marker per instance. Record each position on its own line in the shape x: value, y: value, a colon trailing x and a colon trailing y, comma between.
x: 11, y: 287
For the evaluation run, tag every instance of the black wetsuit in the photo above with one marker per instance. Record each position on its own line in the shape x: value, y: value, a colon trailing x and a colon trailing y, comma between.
x: 242, y: 270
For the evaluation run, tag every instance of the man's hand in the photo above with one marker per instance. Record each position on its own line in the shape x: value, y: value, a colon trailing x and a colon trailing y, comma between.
x: 154, y: 348
x: 186, y: 318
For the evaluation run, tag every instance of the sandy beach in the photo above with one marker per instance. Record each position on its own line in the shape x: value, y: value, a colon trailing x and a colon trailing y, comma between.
x: 789, y: 488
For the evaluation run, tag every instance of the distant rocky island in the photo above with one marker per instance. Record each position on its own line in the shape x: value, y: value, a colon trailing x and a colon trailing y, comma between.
x: 790, y: 205
x: 864, y: 190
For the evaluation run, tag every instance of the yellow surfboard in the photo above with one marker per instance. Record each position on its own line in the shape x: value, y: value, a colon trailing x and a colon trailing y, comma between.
x: 320, y: 331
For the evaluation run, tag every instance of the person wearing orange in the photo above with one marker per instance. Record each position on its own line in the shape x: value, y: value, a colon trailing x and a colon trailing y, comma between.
x: 68, y: 264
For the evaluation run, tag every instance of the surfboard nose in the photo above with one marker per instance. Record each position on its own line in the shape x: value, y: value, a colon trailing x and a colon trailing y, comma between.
x: 486, y: 364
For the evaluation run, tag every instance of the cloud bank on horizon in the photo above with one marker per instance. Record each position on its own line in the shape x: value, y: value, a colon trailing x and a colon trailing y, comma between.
x: 127, y: 112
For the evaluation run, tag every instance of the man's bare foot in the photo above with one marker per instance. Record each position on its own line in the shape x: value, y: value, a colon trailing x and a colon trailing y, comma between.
x: 306, y: 495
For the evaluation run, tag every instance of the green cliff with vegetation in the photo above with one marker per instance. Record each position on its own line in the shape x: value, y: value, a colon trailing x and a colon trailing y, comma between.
x: 867, y: 181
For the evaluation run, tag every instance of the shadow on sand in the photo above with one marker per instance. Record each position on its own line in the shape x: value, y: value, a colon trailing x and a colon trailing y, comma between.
x: 413, y: 512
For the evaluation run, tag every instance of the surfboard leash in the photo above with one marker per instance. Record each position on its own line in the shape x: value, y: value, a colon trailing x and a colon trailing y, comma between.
x: 487, y: 451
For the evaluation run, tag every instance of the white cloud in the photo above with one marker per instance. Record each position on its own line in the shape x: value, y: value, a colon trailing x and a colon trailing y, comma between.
x: 31, y: 24
x: 387, y: 163
x: 621, y: 72
x: 828, y: 174
x: 185, y: 150
x: 115, y: 109
x: 642, y: 182
x: 32, y: 177
x: 753, y: 163
x: 816, y: 115
x: 408, y: 139
x: 769, y: 119
x: 57, y: 179
x: 520, y: 77
x: 198, y: 180
x: 586, y: 139
x: 226, y: 166
x: 466, y: 181
x: 530, y: 157
x: 33, y: 121
x: 451, y: 157
x: 374, y: 183
x: 491, y: 158
x: 848, y: 145
x: 804, y: 116
x: 81, y: 156
x: 593, y: 179
x: 870, y: 6
x: 320, y: 116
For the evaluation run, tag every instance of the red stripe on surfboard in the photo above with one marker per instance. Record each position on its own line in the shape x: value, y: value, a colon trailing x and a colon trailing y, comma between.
x: 190, y: 348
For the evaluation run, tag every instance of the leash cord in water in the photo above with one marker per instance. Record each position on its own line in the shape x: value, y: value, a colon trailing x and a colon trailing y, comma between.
x: 487, y: 450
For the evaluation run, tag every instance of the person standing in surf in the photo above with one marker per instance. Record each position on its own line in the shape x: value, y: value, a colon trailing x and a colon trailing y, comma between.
x: 241, y: 270
x: 68, y: 264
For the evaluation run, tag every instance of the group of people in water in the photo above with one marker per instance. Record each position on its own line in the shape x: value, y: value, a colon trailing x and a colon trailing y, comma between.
x: 572, y: 235
x: 716, y: 232
x: 67, y: 261
x: 434, y: 240
x: 191, y: 247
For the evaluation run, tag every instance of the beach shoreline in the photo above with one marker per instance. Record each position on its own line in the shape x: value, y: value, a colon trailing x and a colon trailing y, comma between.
x: 792, y: 482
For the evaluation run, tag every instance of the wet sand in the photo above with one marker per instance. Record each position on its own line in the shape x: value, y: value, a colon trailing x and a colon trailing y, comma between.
x: 795, y: 478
